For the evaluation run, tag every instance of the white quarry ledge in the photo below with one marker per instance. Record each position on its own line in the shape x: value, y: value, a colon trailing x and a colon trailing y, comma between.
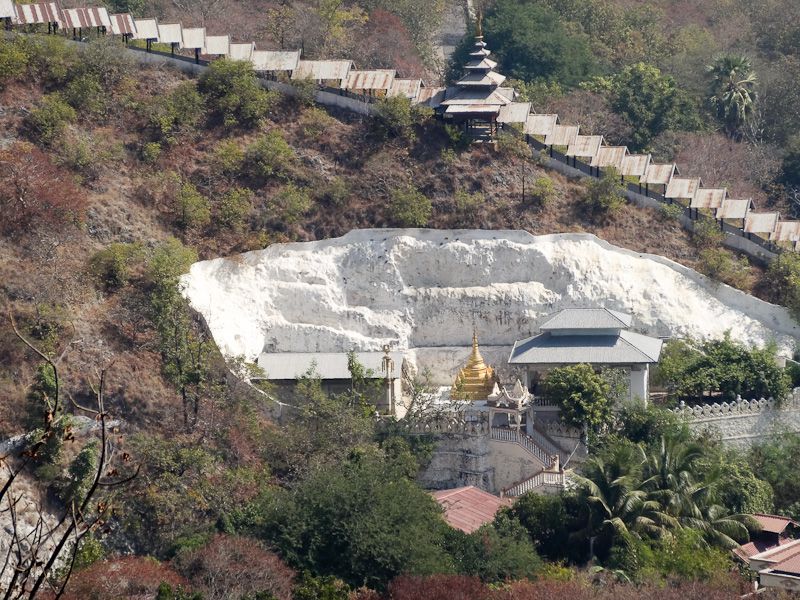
x: 421, y: 291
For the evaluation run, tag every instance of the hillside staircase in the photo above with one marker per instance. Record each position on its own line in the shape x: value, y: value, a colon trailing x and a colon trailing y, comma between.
x: 551, y: 478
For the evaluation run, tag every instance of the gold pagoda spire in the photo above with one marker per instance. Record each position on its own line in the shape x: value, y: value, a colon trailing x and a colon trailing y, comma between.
x: 476, y: 380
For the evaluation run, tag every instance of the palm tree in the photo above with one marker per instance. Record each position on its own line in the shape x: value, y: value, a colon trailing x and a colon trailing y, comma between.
x: 733, y: 94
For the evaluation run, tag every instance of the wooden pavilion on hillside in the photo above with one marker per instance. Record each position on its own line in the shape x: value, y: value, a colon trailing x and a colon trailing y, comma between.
x: 476, y: 101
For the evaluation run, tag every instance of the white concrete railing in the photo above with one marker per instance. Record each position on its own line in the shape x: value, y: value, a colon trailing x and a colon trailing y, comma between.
x: 455, y: 426
x: 511, y: 435
x: 738, y: 407
x: 543, y: 479
x: 540, y: 439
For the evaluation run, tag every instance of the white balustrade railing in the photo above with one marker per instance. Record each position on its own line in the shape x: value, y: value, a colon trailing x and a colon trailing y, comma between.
x: 511, y: 435
x: 737, y: 407
x: 543, y: 479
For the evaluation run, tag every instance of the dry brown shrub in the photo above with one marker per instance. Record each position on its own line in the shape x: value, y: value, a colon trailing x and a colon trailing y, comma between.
x: 130, y: 577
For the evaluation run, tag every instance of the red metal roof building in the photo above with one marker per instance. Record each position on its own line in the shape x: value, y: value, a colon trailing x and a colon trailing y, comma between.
x: 775, y: 557
x: 467, y: 508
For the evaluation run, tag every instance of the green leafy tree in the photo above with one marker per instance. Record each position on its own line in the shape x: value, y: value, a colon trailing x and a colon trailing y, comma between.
x: 234, y: 207
x: 651, y: 103
x: 732, y: 94
x: 177, y: 113
x: 408, y: 207
x: 346, y: 521
x: 777, y: 461
x: 290, y: 204
x: 192, y: 210
x: 395, y: 116
x: 581, y: 394
x: 533, y: 42
x: 269, y: 156
x: 782, y: 281
x: 112, y: 266
x: 81, y: 474
x: 550, y: 521
x: 48, y: 120
x: 13, y: 61
x: 233, y: 94
x: 603, y: 197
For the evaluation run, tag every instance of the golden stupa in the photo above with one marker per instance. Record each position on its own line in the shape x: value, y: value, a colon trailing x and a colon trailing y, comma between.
x: 476, y: 380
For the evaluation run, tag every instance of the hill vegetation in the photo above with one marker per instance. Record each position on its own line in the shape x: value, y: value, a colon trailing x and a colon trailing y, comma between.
x: 115, y: 177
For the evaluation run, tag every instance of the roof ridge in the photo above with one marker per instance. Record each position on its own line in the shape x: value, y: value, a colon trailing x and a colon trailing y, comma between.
x: 639, y: 350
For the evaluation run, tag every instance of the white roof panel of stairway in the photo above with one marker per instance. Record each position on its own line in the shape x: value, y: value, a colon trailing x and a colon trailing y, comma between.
x: 241, y: 51
x: 170, y: 33
x: 761, y: 222
x: 42, y: 12
x: 585, y: 146
x: 561, y: 135
x: 193, y: 38
x: 217, y: 45
x: 708, y: 198
x: 734, y: 209
x: 323, y: 70
x: 410, y: 88
x: 378, y: 79
x: 610, y: 156
x: 275, y: 60
x: 122, y: 24
x: 146, y: 29
x: 6, y: 9
x: 659, y: 174
x: 683, y: 188
x: 516, y: 112
x: 541, y: 125
x: 635, y: 165
x: 786, y: 231
x: 96, y: 16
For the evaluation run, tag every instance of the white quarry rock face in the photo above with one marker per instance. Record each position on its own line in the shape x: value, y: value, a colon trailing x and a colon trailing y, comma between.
x: 421, y: 291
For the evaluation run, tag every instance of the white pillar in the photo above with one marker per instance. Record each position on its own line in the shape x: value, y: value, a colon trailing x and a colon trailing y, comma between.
x: 639, y: 382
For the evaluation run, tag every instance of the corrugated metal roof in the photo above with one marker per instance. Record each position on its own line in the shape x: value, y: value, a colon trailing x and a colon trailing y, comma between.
x: 410, y: 88
x: 659, y: 174
x: 241, y: 51
x: 377, y: 79
x: 432, y: 97
x: 627, y: 348
x: 6, y: 9
x: 193, y: 38
x: 467, y: 508
x: 635, y: 165
x: 708, y: 198
x: 680, y: 187
x: 41, y: 12
x: 786, y: 231
x: 541, y: 125
x: 561, y: 135
x: 587, y: 318
x: 217, y: 45
x: 96, y: 16
x: 480, y: 63
x: 610, y: 156
x: 170, y: 33
x: 323, y: 70
x: 146, y: 29
x: 479, y: 79
x: 761, y: 222
x: 585, y: 146
x: 275, y: 60
x: 122, y: 24
x: 327, y: 365
x: 734, y: 209
x: 516, y: 112
x: 774, y: 523
x: 779, y: 553
x: 465, y: 97
x: 466, y: 109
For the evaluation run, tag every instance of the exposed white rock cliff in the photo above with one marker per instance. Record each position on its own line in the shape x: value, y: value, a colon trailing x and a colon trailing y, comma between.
x: 422, y: 291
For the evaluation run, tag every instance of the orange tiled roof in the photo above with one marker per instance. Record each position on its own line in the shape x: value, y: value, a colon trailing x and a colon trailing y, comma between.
x: 467, y: 508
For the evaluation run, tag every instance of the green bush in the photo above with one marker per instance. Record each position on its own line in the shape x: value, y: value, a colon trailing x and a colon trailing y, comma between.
x: 582, y: 395
x: 105, y: 60
x: 291, y: 203
x: 336, y: 192
x: 13, y: 61
x: 706, y: 233
x: 543, y: 192
x: 719, y: 264
x: 233, y: 94
x: 670, y: 212
x: 234, y: 207
x: 86, y: 95
x: 49, y: 119
x: 315, y: 121
x: 395, y: 116
x: 468, y: 205
x: 782, y: 282
x: 228, y: 159
x: 408, y: 207
x: 511, y: 142
x: 192, y: 209
x: 151, y: 152
x: 269, y: 156
x: 177, y: 113
x: 603, y: 197
x: 112, y: 266
x: 51, y: 59
x: 86, y: 154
